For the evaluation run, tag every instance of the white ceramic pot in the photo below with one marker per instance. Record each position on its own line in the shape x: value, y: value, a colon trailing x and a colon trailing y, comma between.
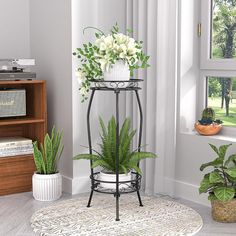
x: 47, y: 187
x: 119, y: 71
x: 112, y: 177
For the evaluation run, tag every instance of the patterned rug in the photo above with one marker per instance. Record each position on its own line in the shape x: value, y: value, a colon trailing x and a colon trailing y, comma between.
x: 157, y: 217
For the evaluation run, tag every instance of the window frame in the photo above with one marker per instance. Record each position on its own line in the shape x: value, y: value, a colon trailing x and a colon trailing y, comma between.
x: 206, y: 62
x: 202, y: 94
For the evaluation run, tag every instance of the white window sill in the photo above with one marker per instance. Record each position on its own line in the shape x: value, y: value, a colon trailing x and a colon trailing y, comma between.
x: 221, y: 136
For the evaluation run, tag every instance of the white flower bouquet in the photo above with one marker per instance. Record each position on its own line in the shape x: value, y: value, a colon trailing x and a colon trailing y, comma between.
x: 97, y: 58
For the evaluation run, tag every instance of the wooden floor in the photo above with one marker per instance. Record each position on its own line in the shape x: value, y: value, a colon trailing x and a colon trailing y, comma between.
x: 16, y: 210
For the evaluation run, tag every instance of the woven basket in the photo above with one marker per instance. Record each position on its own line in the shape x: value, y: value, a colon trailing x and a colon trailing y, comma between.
x: 224, y: 211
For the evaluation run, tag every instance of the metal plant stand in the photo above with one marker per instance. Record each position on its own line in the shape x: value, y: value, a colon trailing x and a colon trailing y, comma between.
x: 133, y: 185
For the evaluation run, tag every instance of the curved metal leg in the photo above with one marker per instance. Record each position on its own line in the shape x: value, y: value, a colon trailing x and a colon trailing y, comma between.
x: 90, y: 145
x: 117, y: 194
x: 140, y: 138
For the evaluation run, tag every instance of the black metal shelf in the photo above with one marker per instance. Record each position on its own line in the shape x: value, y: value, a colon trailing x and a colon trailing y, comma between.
x: 134, y: 184
x: 111, y: 85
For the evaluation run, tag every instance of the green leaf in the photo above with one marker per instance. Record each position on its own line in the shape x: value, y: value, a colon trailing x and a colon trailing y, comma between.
x: 223, y: 149
x: 103, y: 164
x: 224, y: 193
x: 214, y: 148
x: 86, y: 157
x: 38, y: 159
x: 138, y: 156
x: 47, y: 156
x: 48, y: 153
x: 212, y: 197
x: 231, y: 158
x: 215, y: 177
x: 231, y: 172
x: 217, y: 162
x: 205, y: 184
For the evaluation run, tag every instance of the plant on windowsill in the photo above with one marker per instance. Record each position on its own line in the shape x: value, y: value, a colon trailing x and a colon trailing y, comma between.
x: 128, y: 160
x: 220, y: 183
x: 208, y: 125
x: 46, y: 181
x: 113, y: 56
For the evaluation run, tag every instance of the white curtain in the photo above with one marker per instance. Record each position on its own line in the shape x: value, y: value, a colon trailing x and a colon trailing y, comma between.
x: 155, y: 23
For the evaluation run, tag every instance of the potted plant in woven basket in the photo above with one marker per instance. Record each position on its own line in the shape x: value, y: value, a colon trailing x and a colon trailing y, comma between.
x: 113, y: 57
x: 220, y: 183
x: 208, y: 125
x: 46, y: 181
x: 128, y: 160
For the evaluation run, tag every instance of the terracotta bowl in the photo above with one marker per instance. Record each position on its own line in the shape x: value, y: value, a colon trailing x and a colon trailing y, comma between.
x: 208, y: 129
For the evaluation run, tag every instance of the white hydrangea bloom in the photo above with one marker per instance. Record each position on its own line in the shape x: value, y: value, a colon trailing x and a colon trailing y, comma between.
x: 131, y: 47
x: 108, y: 41
x: 121, y: 38
x: 80, y: 76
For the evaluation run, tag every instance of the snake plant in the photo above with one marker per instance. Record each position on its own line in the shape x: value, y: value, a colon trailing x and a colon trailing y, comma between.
x: 47, y: 155
x: 106, y: 158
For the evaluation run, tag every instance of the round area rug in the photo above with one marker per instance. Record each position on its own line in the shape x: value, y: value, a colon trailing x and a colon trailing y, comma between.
x: 157, y: 217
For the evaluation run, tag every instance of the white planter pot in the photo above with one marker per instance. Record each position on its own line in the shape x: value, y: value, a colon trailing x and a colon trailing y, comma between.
x: 119, y: 71
x: 47, y: 187
x: 112, y: 177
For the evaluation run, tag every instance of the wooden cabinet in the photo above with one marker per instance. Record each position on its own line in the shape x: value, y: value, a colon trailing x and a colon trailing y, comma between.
x: 16, y: 171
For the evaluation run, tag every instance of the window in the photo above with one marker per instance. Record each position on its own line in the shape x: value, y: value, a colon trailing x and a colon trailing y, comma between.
x: 218, y: 42
x: 218, y: 58
x: 223, y: 28
x: 221, y: 96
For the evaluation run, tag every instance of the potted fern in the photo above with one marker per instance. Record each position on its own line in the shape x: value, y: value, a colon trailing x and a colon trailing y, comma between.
x: 46, y: 181
x: 220, y: 183
x: 128, y: 160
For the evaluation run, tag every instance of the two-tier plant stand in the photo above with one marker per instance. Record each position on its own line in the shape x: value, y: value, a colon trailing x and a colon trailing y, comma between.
x: 133, y: 185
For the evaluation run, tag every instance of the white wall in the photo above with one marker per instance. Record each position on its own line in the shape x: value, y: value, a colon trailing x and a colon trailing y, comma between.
x: 14, y: 29
x: 50, y: 41
x: 102, y: 14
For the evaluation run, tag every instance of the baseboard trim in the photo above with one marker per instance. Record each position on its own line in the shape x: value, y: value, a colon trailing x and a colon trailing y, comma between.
x: 81, y: 185
x: 66, y: 184
x: 76, y: 185
x: 187, y: 191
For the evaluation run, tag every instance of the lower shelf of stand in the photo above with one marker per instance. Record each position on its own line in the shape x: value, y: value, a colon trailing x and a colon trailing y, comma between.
x: 132, y: 185
x: 16, y: 174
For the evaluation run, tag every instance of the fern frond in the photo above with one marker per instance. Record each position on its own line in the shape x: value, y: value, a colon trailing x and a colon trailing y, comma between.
x: 135, y: 157
x: 101, y: 163
x: 125, y: 147
x: 86, y: 157
x: 134, y: 167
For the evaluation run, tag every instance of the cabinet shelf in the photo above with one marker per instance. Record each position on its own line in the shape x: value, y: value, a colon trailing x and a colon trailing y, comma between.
x: 19, y: 82
x: 21, y: 121
x: 16, y: 171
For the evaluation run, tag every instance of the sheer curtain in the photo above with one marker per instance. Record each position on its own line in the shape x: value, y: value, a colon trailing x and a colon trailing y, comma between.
x: 155, y: 23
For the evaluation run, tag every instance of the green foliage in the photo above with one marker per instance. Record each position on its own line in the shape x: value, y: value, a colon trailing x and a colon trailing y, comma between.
x: 47, y: 155
x: 224, y: 26
x: 106, y: 158
x: 220, y: 183
x: 233, y: 84
x: 214, y: 87
x: 96, y: 58
x: 208, y: 117
x: 208, y: 113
